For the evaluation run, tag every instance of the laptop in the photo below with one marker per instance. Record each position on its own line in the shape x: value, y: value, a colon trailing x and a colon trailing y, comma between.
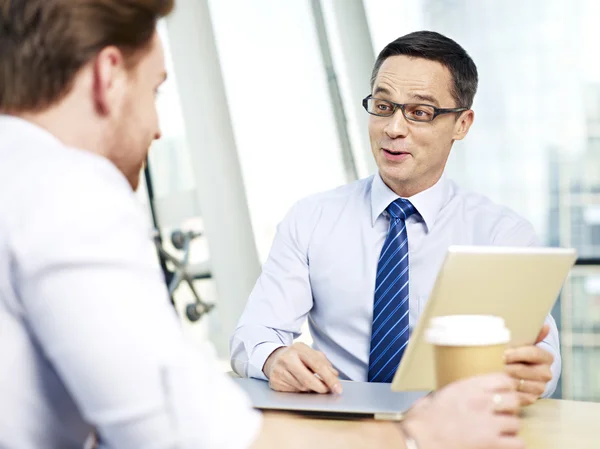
x: 359, y: 400
x: 518, y: 284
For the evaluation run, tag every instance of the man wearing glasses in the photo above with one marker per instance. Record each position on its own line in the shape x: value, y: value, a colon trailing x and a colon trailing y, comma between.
x: 341, y: 258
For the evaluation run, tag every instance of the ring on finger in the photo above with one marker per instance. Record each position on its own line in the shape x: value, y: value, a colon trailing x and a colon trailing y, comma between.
x: 497, y: 400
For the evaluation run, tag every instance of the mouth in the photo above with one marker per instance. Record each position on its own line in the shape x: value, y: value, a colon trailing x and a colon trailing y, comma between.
x: 394, y: 155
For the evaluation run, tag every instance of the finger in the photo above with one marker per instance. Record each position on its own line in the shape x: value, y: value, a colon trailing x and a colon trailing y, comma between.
x: 280, y: 371
x: 303, y: 348
x: 306, y: 377
x: 490, y: 382
x: 283, y: 387
x: 527, y: 399
x: 532, y: 387
x: 506, y: 403
x: 293, y: 370
x: 279, y: 384
x: 543, y: 333
x: 529, y: 373
x: 319, y: 364
x: 528, y: 354
x: 282, y: 380
x: 508, y: 424
x: 510, y: 442
x: 293, y: 380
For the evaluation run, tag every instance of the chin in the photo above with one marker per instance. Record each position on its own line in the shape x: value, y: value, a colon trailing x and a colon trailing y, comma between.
x: 395, y: 174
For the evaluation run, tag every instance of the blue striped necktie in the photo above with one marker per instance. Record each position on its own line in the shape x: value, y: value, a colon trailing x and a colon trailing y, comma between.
x: 389, y: 334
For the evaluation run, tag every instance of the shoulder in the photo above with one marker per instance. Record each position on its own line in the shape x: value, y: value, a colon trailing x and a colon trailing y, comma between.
x: 325, y: 209
x: 66, y: 188
x: 335, y: 200
x: 501, y: 224
x: 483, y: 207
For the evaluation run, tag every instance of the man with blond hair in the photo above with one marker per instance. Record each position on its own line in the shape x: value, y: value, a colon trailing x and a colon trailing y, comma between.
x: 88, y: 339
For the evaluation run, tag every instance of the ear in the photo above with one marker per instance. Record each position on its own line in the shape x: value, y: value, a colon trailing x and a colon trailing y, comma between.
x: 463, y: 124
x: 110, y: 78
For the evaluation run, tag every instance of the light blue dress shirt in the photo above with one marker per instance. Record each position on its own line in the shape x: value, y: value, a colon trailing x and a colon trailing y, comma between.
x: 88, y: 337
x: 323, y: 261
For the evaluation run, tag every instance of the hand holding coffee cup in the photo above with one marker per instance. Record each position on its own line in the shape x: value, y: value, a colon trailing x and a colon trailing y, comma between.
x: 467, y: 346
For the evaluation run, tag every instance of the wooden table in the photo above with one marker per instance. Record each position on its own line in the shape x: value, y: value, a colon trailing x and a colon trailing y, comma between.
x: 554, y: 424
x: 548, y: 424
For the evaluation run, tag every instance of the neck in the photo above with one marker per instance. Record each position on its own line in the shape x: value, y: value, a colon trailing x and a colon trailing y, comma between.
x: 409, y: 189
x: 70, y: 124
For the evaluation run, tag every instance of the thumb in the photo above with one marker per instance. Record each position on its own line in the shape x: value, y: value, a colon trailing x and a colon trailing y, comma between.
x: 543, y: 333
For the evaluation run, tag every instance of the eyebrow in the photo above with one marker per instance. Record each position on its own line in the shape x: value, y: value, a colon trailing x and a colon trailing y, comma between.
x: 381, y: 90
x: 424, y: 97
x: 418, y: 97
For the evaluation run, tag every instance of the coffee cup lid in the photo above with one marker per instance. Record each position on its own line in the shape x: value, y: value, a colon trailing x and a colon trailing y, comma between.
x: 467, y: 330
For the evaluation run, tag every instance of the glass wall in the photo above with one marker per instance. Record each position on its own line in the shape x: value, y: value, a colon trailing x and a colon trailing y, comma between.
x: 280, y: 106
x: 283, y: 123
x: 174, y: 189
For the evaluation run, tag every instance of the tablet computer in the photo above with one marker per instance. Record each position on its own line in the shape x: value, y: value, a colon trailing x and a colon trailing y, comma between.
x: 520, y: 285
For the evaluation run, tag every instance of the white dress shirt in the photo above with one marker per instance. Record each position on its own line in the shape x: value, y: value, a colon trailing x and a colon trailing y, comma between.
x: 88, y: 336
x: 324, y: 258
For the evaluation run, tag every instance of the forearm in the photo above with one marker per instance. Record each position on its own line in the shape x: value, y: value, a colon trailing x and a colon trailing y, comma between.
x: 279, y: 302
x: 298, y: 433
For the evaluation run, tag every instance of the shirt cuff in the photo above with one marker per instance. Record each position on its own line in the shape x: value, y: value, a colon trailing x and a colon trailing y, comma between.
x: 259, y: 356
x: 555, y: 368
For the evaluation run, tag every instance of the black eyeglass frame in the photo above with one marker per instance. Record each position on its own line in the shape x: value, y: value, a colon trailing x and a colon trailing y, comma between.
x: 436, y: 111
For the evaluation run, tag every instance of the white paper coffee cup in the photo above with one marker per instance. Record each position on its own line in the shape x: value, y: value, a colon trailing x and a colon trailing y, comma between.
x: 467, y: 345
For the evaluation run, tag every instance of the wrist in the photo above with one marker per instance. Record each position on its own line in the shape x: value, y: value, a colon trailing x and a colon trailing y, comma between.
x: 270, y: 360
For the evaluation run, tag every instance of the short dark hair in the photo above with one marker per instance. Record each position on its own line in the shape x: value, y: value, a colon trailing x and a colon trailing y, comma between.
x: 436, y: 47
x: 44, y: 43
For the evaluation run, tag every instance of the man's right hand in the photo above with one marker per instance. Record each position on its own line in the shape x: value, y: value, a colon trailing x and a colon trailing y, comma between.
x: 299, y: 368
x: 476, y: 413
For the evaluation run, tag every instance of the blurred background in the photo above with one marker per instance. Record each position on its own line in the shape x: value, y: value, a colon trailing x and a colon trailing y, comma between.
x: 262, y: 107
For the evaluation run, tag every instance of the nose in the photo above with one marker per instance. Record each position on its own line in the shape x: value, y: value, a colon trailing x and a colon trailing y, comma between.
x: 157, y: 134
x: 397, y: 125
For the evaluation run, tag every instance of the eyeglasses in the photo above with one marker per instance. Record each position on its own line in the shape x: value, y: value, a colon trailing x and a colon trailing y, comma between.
x: 412, y: 111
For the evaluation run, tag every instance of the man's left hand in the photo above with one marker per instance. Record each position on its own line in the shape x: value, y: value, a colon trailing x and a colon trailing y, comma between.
x: 530, y: 367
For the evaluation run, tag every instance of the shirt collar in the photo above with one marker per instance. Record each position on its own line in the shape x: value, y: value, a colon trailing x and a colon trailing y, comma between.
x: 428, y: 202
x: 16, y: 125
